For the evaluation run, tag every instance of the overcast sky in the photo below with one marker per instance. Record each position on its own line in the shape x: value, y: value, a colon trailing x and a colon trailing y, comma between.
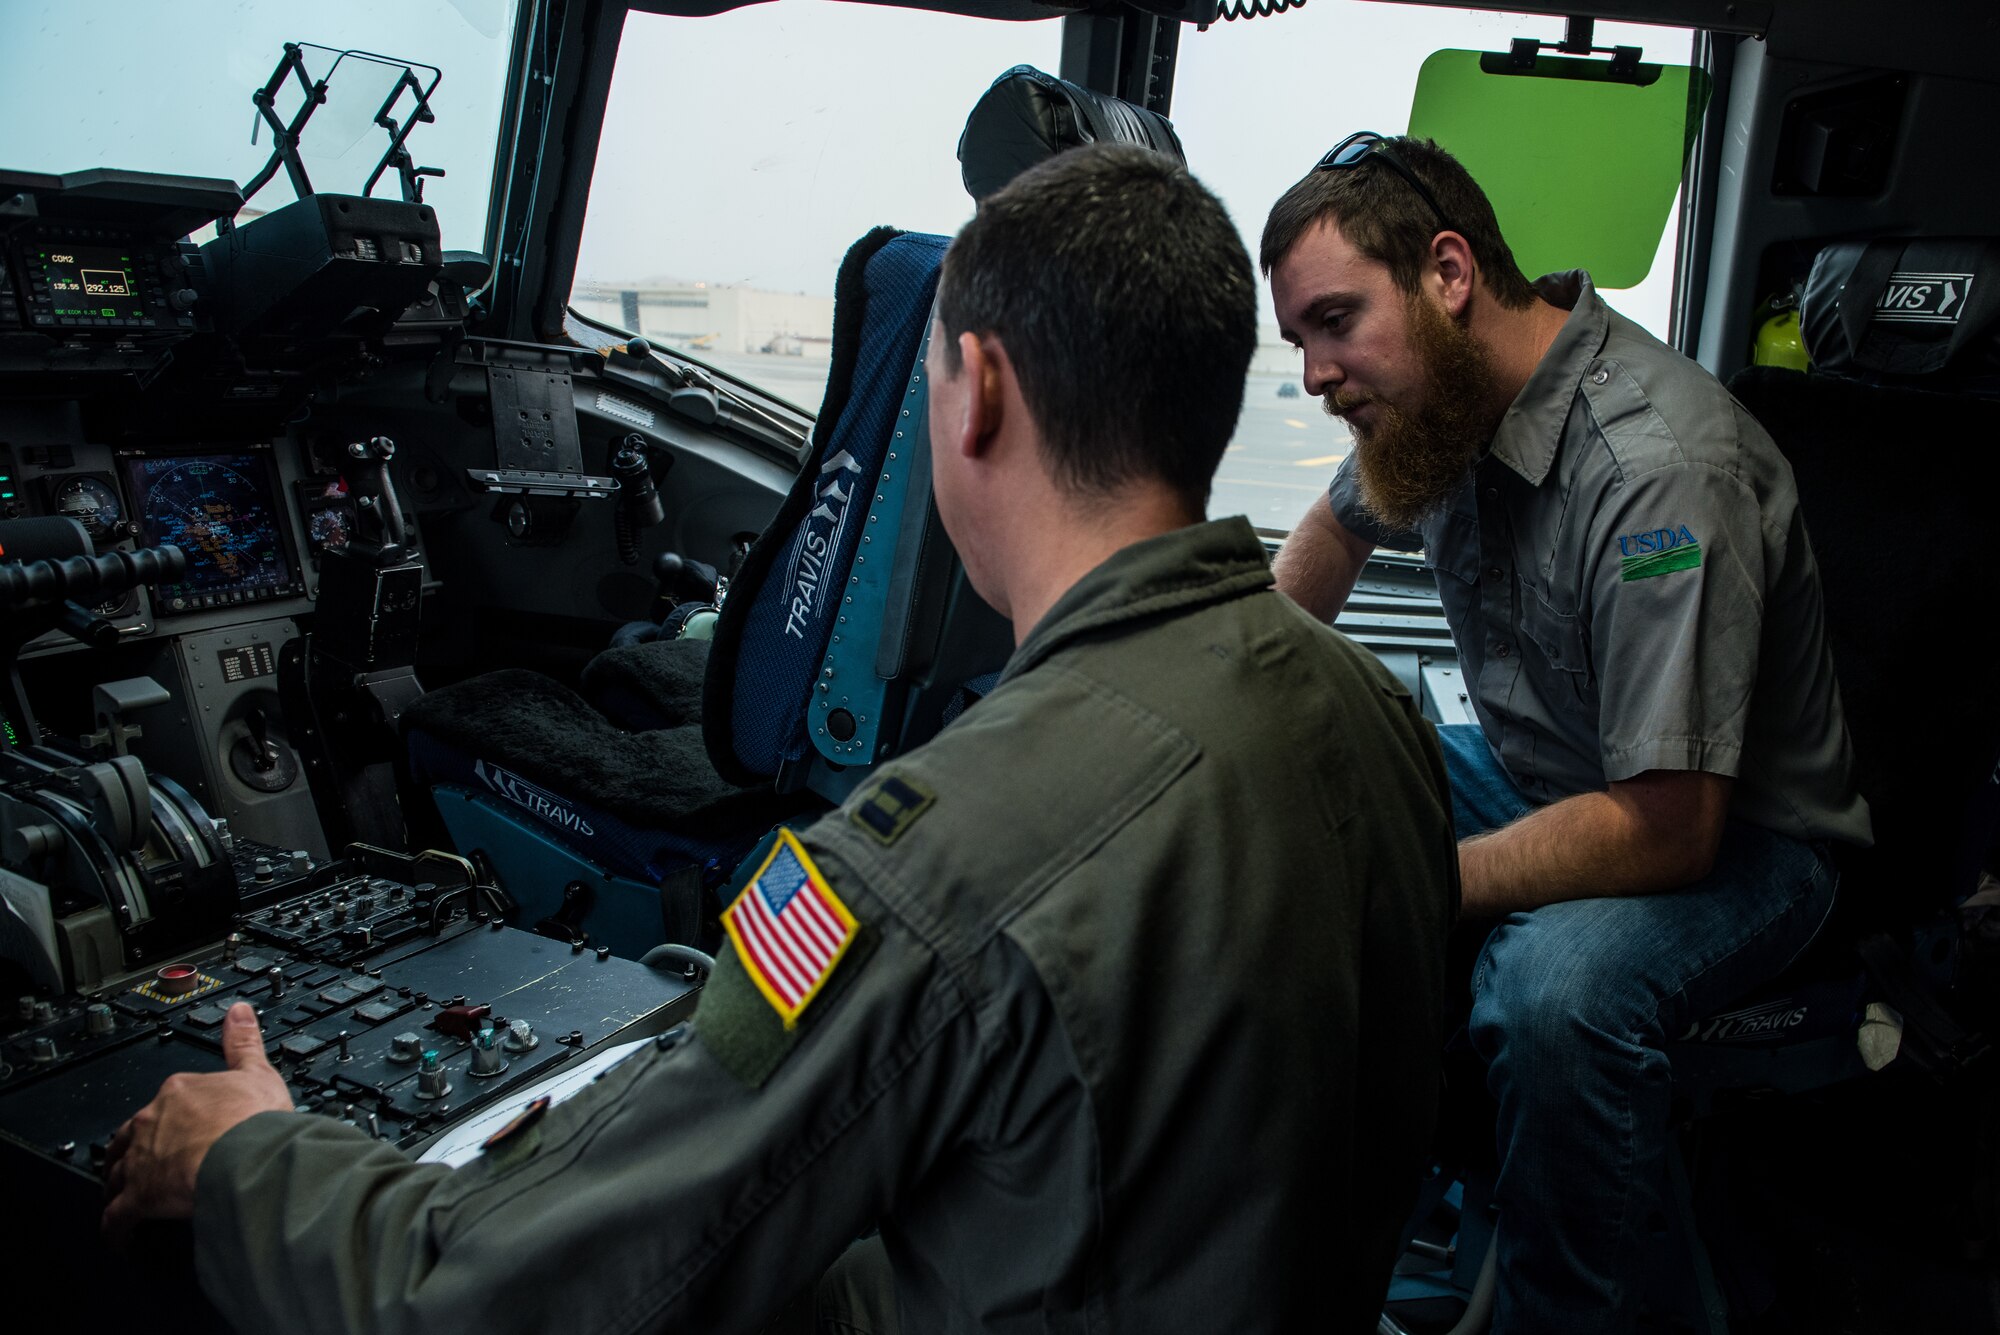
x: 752, y: 147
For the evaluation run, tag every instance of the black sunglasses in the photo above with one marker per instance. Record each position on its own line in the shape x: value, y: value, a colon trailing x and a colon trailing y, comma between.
x: 1368, y: 146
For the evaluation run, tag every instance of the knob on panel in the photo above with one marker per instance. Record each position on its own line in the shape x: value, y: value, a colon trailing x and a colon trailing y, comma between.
x: 486, y: 1055
x: 432, y: 1081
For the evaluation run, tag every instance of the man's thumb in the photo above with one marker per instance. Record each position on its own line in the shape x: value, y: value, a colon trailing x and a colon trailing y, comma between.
x: 242, y: 1040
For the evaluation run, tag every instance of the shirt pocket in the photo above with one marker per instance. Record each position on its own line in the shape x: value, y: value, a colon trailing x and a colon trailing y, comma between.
x: 1563, y: 640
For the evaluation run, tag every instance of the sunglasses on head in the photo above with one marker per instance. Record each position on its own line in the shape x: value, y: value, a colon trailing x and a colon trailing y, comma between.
x: 1368, y: 146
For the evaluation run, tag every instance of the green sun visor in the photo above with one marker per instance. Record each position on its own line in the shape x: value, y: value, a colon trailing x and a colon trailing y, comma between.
x: 1581, y: 167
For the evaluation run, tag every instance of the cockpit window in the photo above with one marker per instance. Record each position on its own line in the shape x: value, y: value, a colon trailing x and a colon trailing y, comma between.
x: 744, y: 153
x: 1257, y: 103
x: 143, y: 85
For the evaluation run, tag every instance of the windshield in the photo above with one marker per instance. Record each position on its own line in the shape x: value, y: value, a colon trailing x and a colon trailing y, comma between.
x: 744, y: 153
x: 728, y: 188
x: 144, y: 85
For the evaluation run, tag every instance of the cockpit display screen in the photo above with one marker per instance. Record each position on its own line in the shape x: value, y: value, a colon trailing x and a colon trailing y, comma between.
x: 88, y: 281
x: 223, y: 511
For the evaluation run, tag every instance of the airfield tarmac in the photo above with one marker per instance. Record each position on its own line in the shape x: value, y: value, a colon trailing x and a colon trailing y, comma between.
x: 1283, y: 454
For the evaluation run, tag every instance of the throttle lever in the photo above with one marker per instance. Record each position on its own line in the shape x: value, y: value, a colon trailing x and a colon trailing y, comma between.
x: 260, y: 736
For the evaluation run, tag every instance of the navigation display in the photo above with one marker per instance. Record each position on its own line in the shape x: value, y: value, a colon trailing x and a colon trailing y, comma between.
x: 92, y: 281
x: 223, y: 511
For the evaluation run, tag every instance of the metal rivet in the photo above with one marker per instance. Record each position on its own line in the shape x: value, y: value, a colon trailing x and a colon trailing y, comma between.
x: 892, y: 454
x: 906, y: 412
x: 899, y: 435
x: 873, y: 518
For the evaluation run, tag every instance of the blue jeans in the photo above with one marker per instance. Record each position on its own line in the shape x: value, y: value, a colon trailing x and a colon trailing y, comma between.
x: 1571, y: 1004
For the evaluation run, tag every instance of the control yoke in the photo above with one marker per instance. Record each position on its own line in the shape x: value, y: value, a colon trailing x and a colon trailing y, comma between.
x: 48, y: 569
x: 383, y: 539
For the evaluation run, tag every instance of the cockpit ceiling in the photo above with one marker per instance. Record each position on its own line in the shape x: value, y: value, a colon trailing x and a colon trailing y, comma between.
x: 1009, y: 10
x: 1839, y: 32
x: 1948, y: 37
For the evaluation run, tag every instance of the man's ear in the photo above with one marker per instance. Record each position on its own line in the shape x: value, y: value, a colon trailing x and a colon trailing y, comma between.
x: 1454, y: 270
x: 987, y: 371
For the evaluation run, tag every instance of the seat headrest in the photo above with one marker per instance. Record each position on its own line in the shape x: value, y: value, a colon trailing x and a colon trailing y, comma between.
x: 1027, y: 117
x: 1923, y: 312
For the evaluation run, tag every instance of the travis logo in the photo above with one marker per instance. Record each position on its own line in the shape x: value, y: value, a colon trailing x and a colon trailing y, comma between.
x: 538, y: 801
x: 1923, y: 298
x: 1660, y: 552
x: 818, y: 540
x: 1751, y: 1025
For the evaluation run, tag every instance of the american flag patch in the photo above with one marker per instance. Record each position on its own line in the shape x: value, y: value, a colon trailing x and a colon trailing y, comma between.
x: 790, y: 929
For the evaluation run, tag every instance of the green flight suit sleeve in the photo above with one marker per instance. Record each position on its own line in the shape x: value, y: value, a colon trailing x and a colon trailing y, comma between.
x: 673, y: 1194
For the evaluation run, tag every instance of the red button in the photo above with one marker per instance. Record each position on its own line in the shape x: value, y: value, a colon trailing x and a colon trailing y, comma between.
x: 176, y: 980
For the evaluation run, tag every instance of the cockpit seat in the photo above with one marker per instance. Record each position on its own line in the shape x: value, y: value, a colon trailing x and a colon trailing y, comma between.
x: 1910, y: 587
x: 1905, y: 565
x: 848, y: 635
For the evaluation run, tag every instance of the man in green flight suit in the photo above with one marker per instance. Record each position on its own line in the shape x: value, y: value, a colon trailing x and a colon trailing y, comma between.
x: 1130, y: 996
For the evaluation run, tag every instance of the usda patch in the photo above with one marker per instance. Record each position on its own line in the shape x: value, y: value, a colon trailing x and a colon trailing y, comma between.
x: 1660, y: 552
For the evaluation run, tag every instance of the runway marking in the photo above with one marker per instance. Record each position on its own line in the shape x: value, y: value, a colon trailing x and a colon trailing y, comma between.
x: 1253, y: 482
x: 1320, y: 462
x: 1293, y: 421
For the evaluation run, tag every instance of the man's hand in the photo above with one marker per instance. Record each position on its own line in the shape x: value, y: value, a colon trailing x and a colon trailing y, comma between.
x: 150, y: 1170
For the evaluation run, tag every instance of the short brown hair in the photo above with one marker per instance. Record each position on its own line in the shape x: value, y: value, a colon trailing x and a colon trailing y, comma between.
x: 1386, y: 220
x: 1124, y: 297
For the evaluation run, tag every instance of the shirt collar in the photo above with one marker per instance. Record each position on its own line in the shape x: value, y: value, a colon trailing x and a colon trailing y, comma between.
x: 1187, y: 568
x: 1532, y: 429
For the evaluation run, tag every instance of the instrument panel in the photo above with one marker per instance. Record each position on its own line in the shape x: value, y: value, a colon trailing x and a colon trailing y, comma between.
x: 225, y: 511
x: 80, y: 277
x: 92, y: 500
x: 240, y: 512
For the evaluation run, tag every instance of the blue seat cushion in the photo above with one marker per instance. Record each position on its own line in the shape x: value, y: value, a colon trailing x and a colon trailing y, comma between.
x: 634, y: 802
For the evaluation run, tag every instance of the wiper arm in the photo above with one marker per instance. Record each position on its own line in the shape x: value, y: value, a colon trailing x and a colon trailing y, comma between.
x: 700, y: 394
x: 703, y: 394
